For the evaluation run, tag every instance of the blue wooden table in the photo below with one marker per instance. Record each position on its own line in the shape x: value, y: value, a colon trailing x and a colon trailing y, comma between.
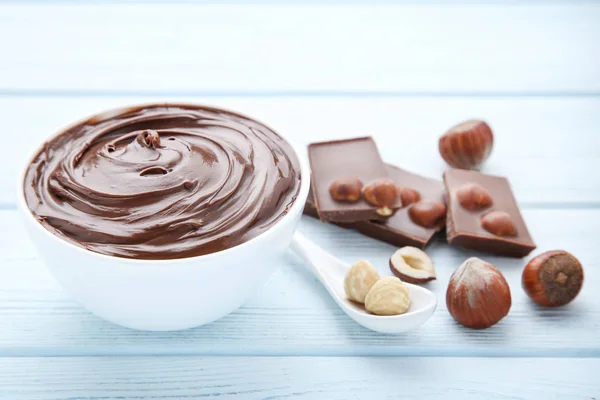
x: 403, y: 73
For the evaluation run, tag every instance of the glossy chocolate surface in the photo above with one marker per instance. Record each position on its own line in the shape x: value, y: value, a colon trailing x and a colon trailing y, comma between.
x: 162, y: 181
x: 464, y: 227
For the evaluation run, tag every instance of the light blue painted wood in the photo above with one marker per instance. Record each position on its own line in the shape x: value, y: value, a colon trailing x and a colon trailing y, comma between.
x: 408, y: 48
x: 532, y: 134
x: 404, y: 74
x: 293, y: 314
x: 297, y: 377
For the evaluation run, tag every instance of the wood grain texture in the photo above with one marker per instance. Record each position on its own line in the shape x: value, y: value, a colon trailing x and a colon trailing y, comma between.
x: 454, y: 48
x: 293, y: 314
x: 535, y: 135
x: 296, y: 377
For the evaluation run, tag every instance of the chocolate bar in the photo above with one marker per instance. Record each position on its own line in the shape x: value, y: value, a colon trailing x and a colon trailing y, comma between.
x: 310, y: 208
x: 353, y: 160
x: 483, y: 214
x: 400, y: 229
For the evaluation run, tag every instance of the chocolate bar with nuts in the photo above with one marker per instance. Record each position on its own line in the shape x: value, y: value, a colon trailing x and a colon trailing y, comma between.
x: 422, y: 215
x: 310, y: 208
x: 400, y: 229
x: 483, y: 214
x: 349, y: 181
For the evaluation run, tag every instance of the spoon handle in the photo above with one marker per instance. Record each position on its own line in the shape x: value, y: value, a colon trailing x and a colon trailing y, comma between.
x: 307, y: 251
x: 314, y: 257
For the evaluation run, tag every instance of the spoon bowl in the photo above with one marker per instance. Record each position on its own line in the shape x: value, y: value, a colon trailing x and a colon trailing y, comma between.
x: 331, y: 272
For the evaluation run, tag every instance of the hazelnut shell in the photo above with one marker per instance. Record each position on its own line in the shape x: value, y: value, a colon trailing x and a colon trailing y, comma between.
x: 413, y: 265
x: 478, y: 295
x: 467, y: 145
x: 553, y: 278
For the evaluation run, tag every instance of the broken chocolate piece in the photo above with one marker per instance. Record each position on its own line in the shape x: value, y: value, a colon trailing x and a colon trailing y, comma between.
x: 356, y: 158
x: 497, y: 228
x: 399, y: 230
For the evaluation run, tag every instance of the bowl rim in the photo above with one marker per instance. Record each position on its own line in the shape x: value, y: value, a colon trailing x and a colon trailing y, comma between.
x: 296, y: 208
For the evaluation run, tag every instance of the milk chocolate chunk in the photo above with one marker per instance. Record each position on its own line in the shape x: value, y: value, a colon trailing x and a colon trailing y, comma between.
x: 483, y: 214
x: 400, y: 229
x: 310, y: 208
x: 352, y: 159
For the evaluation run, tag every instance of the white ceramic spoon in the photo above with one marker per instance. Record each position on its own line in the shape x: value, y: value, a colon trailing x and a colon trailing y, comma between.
x: 331, y: 272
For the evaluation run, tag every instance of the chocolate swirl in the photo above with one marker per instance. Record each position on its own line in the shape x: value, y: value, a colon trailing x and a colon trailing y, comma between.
x: 162, y: 182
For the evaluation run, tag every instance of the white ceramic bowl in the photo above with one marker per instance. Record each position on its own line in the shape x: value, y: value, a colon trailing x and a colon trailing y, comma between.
x: 160, y: 295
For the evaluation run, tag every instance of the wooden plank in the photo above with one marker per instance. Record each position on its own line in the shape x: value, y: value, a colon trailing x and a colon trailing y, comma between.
x: 297, y: 377
x: 409, y: 48
x: 293, y: 314
x: 548, y: 147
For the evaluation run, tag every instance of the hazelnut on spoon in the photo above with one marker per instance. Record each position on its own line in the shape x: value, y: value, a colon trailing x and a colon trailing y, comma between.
x: 386, y: 297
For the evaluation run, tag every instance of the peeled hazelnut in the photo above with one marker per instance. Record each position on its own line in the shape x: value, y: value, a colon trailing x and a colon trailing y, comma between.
x: 473, y: 197
x: 478, y: 295
x: 553, y: 278
x: 408, y: 195
x: 359, y: 280
x: 412, y: 265
x: 389, y: 296
x: 427, y: 213
x: 383, y: 194
x: 498, y: 223
x: 467, y: 145
x: 346, y: 190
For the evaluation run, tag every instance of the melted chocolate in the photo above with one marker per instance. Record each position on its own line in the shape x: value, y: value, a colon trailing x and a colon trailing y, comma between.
x: 162, y: 182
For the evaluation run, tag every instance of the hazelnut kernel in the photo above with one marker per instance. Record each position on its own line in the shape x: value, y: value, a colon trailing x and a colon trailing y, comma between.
x: 427, y: 213
x: 346, y: 190
x: 382, y: 193
x: 473, y: 197
x: 388, y: 296
x: 359, y: 280
x: 498, y: 223
x: 408, y: 195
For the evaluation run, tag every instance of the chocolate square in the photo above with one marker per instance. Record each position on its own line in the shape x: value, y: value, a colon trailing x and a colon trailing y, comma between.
x: 465, y: 224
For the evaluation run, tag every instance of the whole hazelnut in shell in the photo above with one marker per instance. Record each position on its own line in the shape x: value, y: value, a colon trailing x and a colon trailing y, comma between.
x: 467, y: 145
x: 478, y: 296
x: 553, y: 278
